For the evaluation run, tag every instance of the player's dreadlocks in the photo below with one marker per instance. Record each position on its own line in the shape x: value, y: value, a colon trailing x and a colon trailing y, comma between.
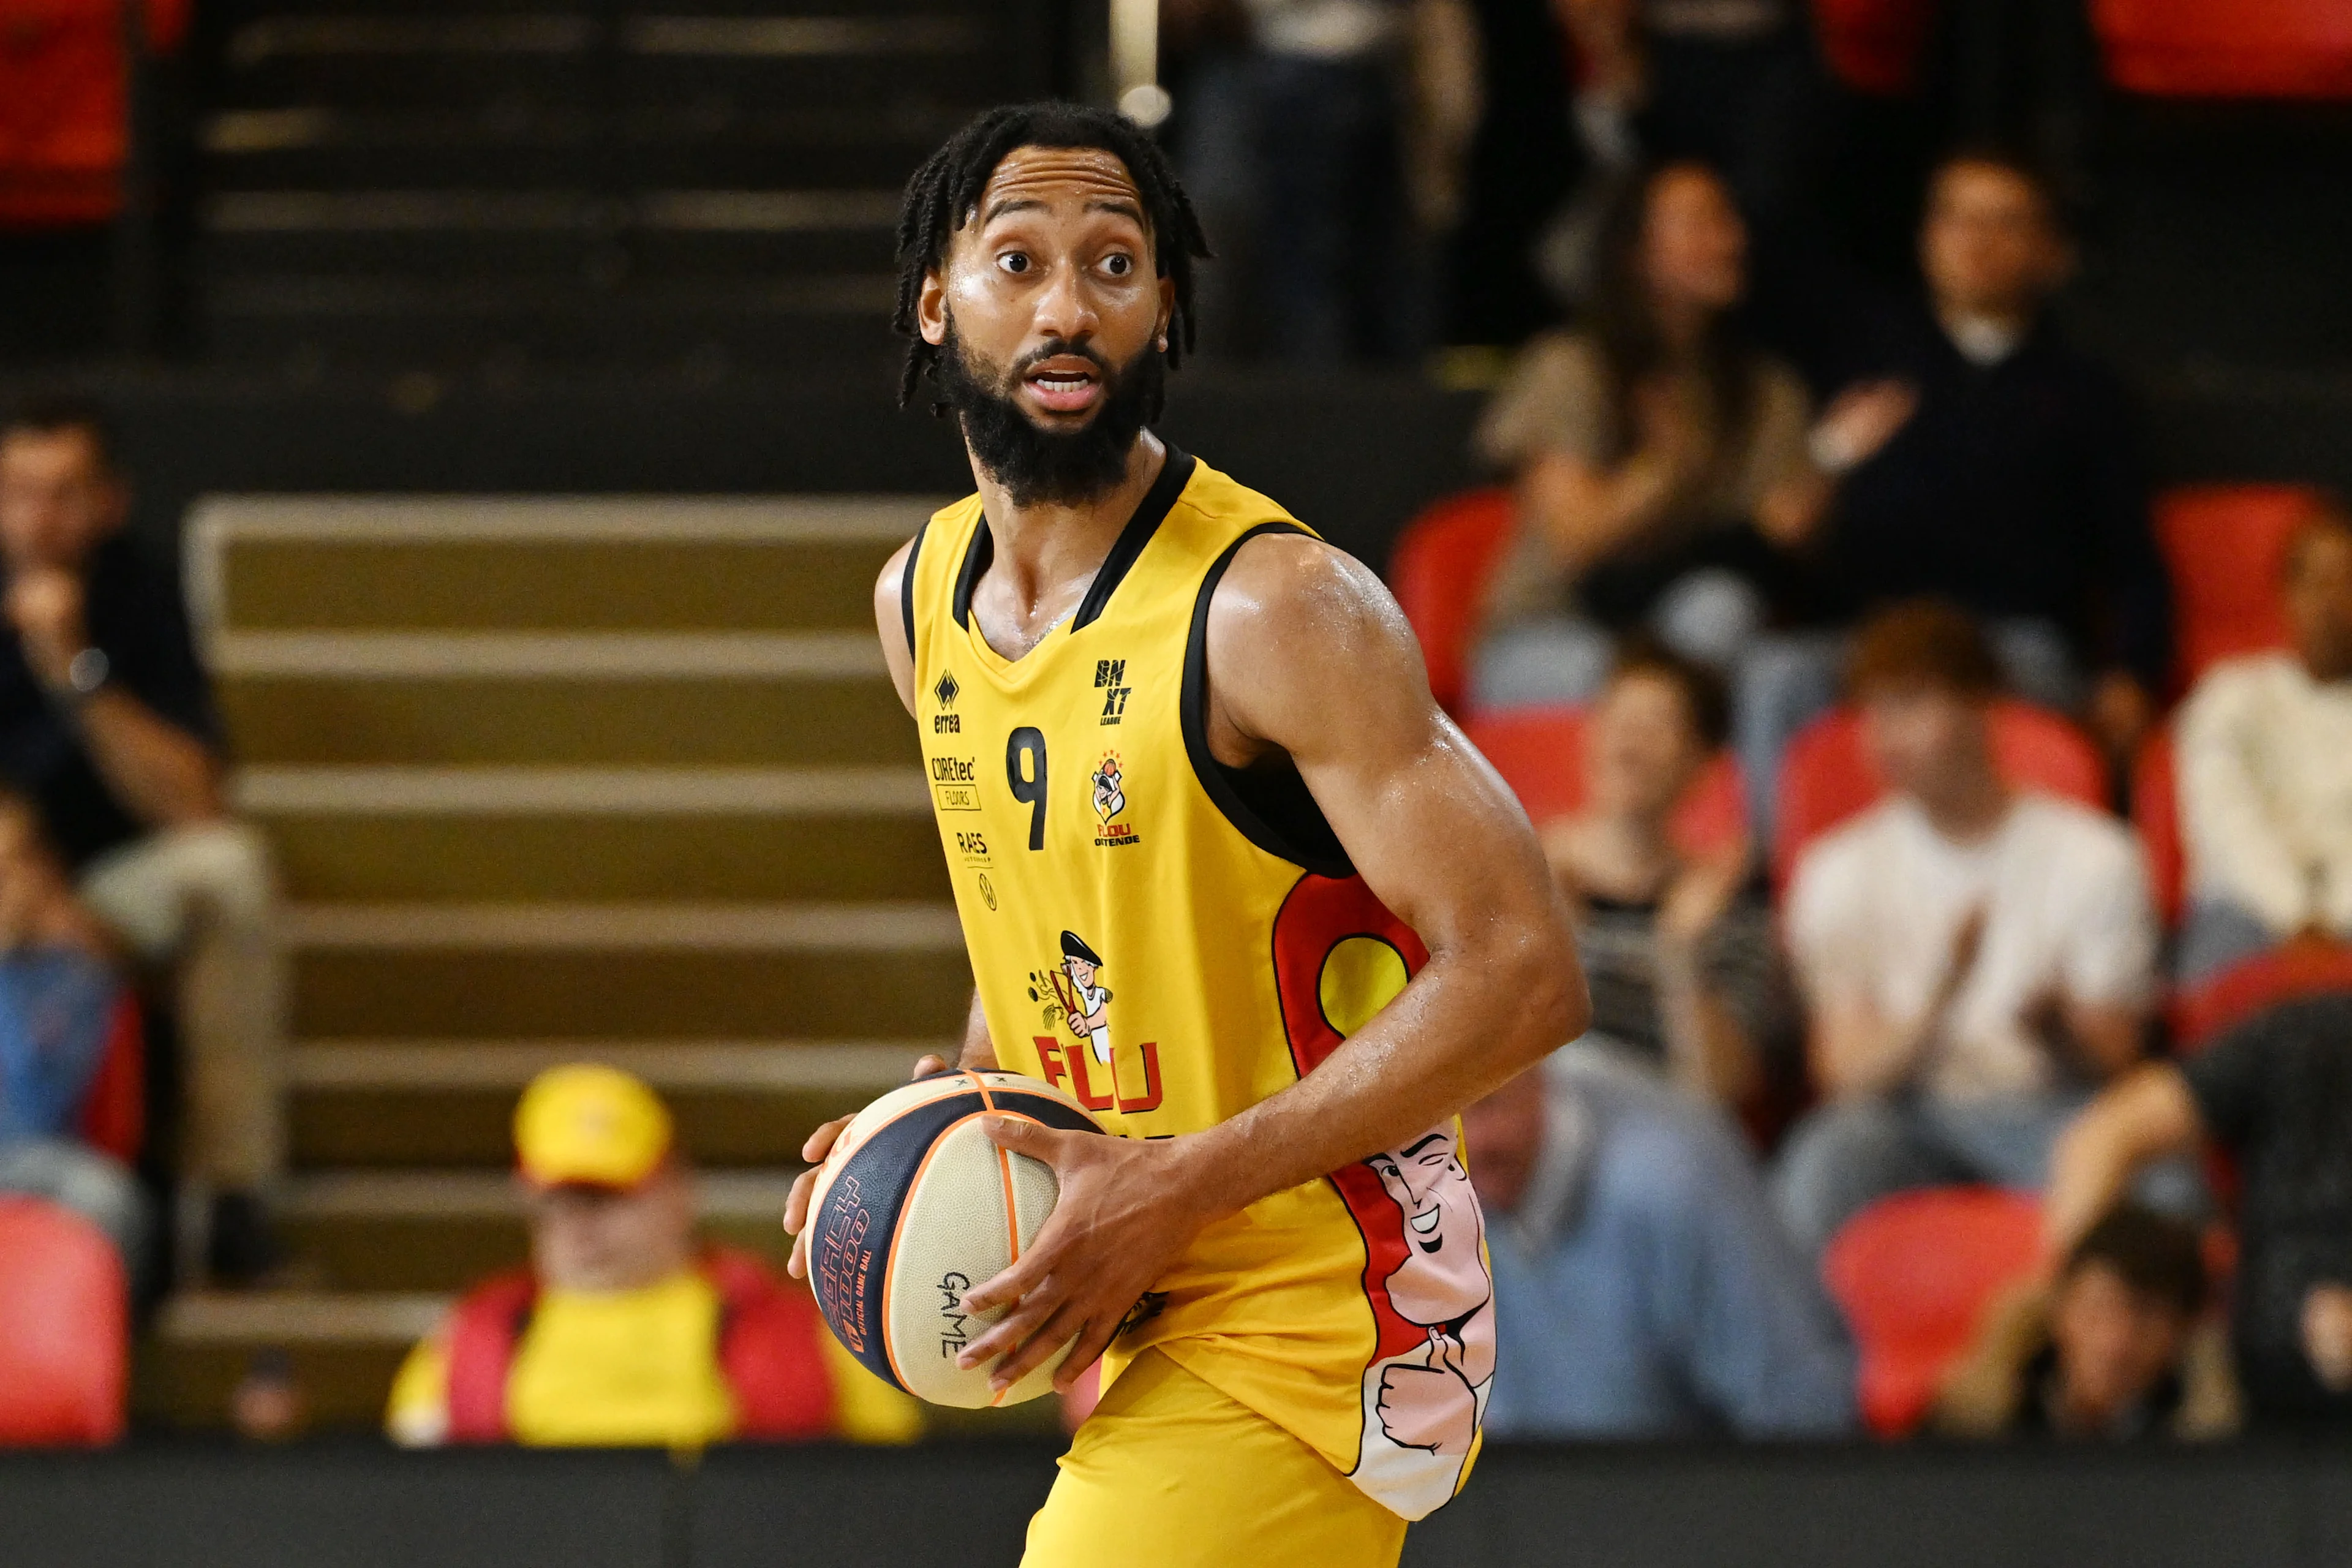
x: 945, y: 190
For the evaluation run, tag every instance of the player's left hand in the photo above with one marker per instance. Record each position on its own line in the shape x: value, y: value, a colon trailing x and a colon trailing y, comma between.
x: 1124, y: 1214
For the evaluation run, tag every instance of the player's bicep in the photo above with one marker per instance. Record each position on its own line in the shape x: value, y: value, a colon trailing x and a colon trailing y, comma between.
x: 1316, y: 659
x: 890, y: 622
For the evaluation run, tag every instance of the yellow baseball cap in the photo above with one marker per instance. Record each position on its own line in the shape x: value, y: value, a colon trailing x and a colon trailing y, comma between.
x: 593, y: 1125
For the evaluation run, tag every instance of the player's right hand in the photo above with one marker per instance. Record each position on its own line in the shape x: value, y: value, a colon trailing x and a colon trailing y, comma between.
x: 820, y: 1143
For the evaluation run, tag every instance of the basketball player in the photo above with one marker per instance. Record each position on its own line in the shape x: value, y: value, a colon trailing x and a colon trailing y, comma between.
x: 1331, y: 924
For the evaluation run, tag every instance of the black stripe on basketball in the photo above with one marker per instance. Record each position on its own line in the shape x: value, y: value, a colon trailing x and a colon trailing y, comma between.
x: 852, y: 1248
x: 1037, y: 1108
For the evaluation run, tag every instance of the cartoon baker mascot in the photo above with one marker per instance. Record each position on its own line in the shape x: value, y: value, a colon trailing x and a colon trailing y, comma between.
x: 1088, y: 1004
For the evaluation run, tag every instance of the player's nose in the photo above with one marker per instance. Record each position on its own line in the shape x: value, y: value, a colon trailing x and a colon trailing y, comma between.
x: 1063, y: 308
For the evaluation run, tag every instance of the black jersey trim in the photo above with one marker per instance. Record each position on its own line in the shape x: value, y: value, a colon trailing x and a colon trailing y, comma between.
x: 1271, y: 808
x: 976, y: 557
x: 907, y: 592
x: 1152, y: 510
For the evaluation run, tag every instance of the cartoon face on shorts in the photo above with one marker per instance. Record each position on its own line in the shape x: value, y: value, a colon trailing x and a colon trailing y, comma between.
x: 1442, y: 1278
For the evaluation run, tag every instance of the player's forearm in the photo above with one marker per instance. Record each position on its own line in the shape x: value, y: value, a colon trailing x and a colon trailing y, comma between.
x: 979, y: 1054
x: 1465, y: 1025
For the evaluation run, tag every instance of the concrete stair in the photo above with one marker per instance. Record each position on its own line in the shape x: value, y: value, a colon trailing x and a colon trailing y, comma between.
x: 552, y: 781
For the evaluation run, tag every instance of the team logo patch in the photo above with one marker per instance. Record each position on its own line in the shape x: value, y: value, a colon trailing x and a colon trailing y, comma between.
x: 1102, y: 1076
x: 1111, y: 805
x: 944, y: 722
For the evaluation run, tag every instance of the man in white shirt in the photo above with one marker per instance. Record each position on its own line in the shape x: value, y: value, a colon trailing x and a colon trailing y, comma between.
x: 2265, y: 768
x: 1974, y: 959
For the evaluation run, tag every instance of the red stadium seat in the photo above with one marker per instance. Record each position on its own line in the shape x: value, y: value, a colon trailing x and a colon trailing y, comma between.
x: 114, y: 1116
x: 1828, y: 776
x: 2155, y: 813
x: 64, y: 1324
x: 2226, y: 48
x: 1915, y: 1274
x: 2225, y: 546
x: 1874, y: 47
x: 2300, y: 968
x: 1540, y: 751
x: 1439, y: 574
x: 64, y: 126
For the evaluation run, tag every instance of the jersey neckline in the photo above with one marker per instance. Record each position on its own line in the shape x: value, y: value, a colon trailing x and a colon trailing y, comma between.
x: 1175, y: 473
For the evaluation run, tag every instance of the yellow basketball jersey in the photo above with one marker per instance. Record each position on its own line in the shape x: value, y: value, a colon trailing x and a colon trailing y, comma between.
x: 1172, y: 940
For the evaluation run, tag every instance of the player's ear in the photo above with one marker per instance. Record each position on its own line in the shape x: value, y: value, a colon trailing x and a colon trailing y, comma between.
x: 1167, y: 313
x: 931, y: 309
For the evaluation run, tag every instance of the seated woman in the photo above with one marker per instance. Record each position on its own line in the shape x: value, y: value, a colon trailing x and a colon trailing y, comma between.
x: 1663, y: 464
x: 1683, y: 972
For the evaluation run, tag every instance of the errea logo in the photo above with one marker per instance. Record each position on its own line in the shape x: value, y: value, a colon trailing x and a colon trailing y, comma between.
x: 946, y: 690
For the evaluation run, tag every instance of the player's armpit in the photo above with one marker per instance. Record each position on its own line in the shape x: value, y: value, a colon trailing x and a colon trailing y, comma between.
x: 891, y: 623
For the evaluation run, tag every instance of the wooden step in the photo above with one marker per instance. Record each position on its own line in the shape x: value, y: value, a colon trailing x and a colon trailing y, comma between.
x: 487, y: 833
x: 627, y: 971
x: 412, y: 1102
x: 343, y: 1350
x: 552, y: 234
x: 561, y: 564
x: 739, y: 717
x: 442, y: 1230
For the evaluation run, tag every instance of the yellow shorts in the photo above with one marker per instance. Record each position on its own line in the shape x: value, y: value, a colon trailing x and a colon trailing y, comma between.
x: 1170, y: 1473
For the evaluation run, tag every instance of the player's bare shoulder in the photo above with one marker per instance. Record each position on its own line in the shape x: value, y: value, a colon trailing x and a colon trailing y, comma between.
x: 1301, y: 634
x: 890, y: 621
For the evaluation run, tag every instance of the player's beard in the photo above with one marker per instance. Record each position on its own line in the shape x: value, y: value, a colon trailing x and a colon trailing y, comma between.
x: 1033, y: 464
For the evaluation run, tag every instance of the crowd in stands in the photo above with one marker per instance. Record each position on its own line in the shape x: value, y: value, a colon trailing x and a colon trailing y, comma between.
x: 1927, y: 618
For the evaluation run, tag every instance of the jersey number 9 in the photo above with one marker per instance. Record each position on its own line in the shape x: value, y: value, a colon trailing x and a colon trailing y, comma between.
x: 1028, y: 784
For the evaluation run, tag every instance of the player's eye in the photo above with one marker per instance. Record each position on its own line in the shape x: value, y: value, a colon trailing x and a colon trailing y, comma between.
x: 1118, y: 264
x: 1013, y: 261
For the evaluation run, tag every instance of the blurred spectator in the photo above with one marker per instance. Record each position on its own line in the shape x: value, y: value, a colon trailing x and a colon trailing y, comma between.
x: 2016, y: 489
x: 1642, y: 1286
x: 1731, y: 83
x: 621, y: 1331
x: 2266, y: 770
x: 2276, y: 1094
x: 1293, y: 145
x: 1969, y: 955
x: 2116, y: 1347
x: 1522, y: 163
x: 1661, y: 461
x: 107, y: 727
x: 1683, y: 970
x: 58, y: 1000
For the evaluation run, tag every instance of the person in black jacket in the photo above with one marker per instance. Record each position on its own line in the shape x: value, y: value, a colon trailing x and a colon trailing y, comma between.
x: 2016, y: 489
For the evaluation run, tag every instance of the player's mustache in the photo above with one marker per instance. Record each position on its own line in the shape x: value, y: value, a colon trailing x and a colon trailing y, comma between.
x: 1060, y: 348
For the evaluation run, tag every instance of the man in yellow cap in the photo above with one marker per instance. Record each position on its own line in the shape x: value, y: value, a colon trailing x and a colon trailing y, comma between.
x: 623, y: 1331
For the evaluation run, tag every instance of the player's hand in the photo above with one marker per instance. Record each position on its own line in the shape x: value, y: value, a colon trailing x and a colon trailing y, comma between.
x: 45, y: 607
x: 1123, y: 1215
x: 820, y: 1143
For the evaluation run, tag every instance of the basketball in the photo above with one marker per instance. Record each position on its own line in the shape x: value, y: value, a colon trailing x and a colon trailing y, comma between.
x: 915, y: 1206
